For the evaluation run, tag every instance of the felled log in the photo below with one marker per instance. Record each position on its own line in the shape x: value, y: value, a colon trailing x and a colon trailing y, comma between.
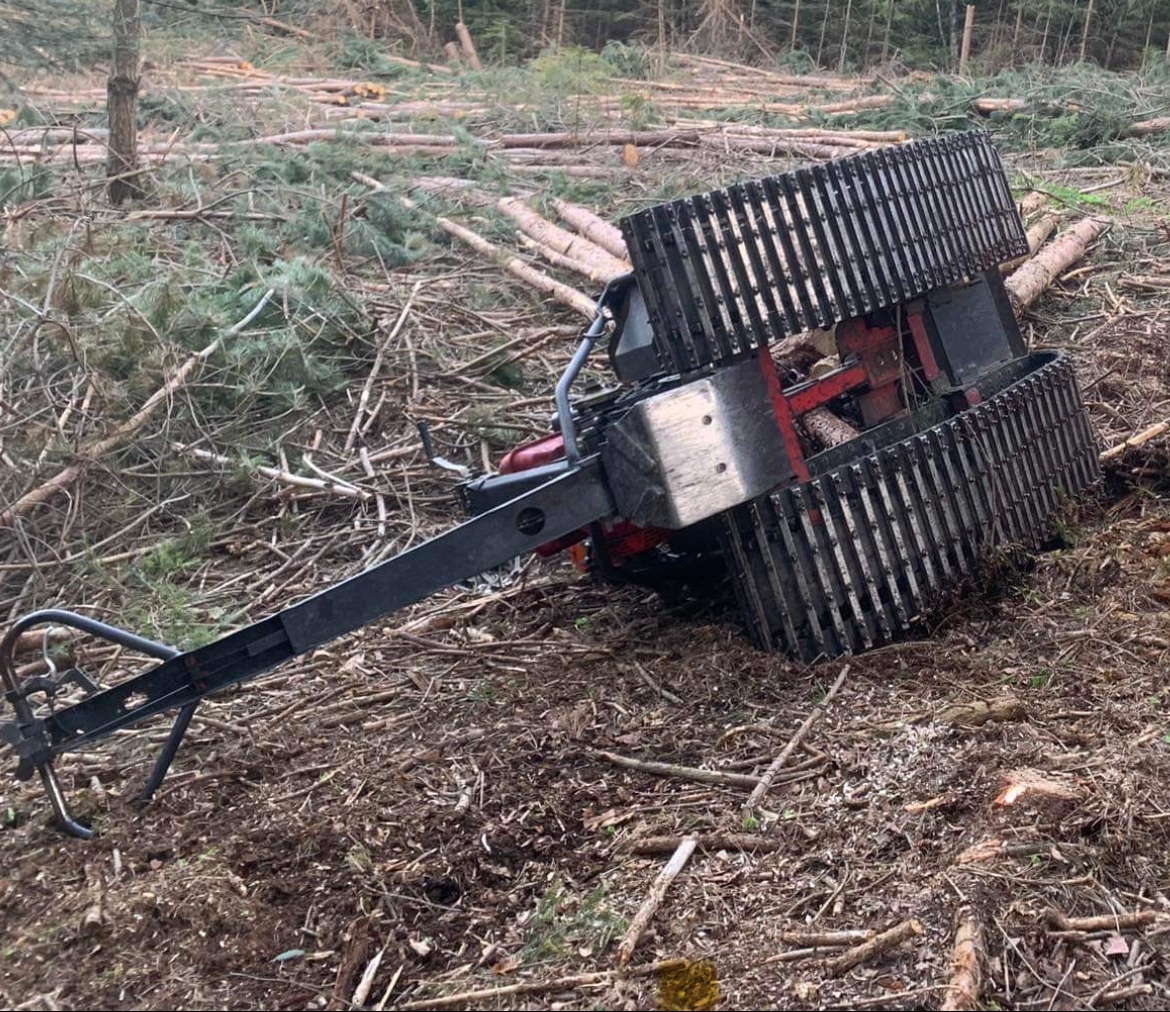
x: 594, y: 228
x: 563, y: 260
x: 990, y: 105
x: 775, y: 146
x: 827, y: 429
x: 1157, y: 125
x: 562, y: 293
x: 854, y: 105
x: 556, y: 238
x: 1038, y: 235
x: 771, y: 75
x: 1030, y: 281
x: 595, y: 138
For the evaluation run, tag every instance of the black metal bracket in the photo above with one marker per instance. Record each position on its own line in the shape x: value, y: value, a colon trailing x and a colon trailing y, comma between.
x: 28, y: 734
x: 569, y: 501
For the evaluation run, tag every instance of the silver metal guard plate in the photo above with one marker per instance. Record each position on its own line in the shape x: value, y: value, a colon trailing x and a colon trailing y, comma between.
x: 687, y: 454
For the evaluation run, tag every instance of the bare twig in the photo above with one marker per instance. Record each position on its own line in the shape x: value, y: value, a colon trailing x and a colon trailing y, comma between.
x: 765, y: 782
x: 650, y: 907
x: 876, y: 946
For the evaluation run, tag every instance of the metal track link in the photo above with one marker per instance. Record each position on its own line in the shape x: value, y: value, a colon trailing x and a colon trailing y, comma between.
x: 727, y: 271
x: 850, y: 558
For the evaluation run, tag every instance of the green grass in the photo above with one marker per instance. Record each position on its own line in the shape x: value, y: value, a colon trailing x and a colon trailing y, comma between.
x: 562, y: 923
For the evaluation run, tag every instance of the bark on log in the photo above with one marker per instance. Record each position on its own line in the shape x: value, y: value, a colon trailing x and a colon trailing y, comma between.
x: 562, y: 293
x: 556, y: 238
x: 826, y: 429
x: 1032, y: 202
x: 577, y: 139
x: 1157, y: 125
x: 990, y: 105
x: 648, y: 909
x: 468, y: 46
x: 1037, y: 235
x: 594, y: 228
x: 876, y: 946
x: 1030, y: 281
x: 563, y: 260
x: 1102, y: 922
x: 966, y: 978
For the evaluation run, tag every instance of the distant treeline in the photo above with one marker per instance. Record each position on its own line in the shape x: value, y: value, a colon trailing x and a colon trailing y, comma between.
x: 802, y: 34
x: 832, y: 34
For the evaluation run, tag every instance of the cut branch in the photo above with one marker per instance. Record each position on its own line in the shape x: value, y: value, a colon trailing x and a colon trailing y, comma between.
x: 769, y: 777
x: 649, y: 908
x: 683, y: 772
x: 1153, y: 432
x: 966, y: 982
x: 65, y: 478
x: 876, y: 946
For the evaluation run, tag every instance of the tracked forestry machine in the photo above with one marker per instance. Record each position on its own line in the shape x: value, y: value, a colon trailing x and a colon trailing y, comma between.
x: 942, y: 437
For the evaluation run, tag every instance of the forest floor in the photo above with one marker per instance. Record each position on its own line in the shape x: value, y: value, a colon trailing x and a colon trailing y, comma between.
x: 429, y: 793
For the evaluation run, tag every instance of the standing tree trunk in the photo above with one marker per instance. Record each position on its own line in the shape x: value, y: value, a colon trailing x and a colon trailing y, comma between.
x: 795, y: 24
x: 965, y: 50
x: 1085, y: 30
x: 121, y: 104
x: 889, y: 26
x: 845, y: 38
x: 873, y: 9
x: 824, y: 28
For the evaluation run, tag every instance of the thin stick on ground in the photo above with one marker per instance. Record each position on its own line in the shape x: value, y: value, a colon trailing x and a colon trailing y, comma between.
x: 650, y: 907
x: 766, y: 781
x: 708, y: 841
x: 464, y: 998
x: 1153, y: 432
x: 875, y: 947
x: 364, y: 397
x: 682, y: 772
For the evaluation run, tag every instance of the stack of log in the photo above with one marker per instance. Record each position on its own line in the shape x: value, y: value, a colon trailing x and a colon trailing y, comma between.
x: 610, y: 147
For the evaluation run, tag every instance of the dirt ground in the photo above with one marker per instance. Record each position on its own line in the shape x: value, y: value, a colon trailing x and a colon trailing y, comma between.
x: 431, y: 792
